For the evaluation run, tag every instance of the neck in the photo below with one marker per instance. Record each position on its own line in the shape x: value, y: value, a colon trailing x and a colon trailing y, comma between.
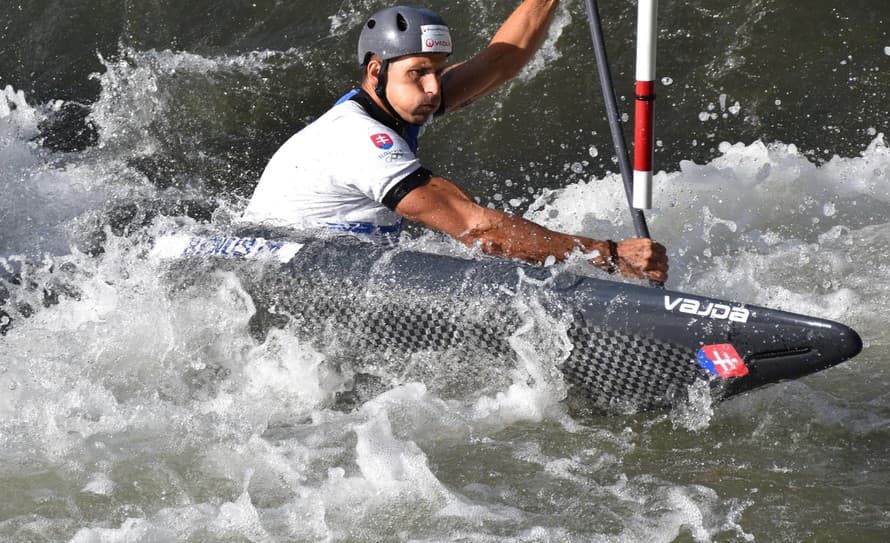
x: 376, y: 109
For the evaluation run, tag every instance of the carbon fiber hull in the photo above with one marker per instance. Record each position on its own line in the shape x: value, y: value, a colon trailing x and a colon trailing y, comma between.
x: 629, y: 347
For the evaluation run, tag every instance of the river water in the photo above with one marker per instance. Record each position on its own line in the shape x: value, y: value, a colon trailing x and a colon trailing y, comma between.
x: 131, y: 413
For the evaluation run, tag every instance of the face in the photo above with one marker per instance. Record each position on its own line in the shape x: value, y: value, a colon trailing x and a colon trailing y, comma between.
x: 413, y: 85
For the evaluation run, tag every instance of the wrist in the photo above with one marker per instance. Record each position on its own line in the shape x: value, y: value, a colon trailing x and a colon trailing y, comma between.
x: 606, y: 254
x: 611, y: 261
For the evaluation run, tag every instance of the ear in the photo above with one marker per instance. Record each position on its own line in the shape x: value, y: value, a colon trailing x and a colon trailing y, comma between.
x: 372, y: 71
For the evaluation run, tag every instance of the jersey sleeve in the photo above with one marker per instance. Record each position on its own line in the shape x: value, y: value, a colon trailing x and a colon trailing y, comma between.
x: 418, y: 178
x: 378, y: 160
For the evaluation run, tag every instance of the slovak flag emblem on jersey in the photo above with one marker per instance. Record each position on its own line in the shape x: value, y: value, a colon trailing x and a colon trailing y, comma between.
x: 722, y: 361
x: 382, y: 141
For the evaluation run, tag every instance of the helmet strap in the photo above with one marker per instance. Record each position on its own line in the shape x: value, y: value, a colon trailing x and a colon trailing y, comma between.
x: 380, y: 90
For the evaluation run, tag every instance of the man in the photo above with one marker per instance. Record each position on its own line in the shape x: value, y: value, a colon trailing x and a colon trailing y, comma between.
x: 355, y: 168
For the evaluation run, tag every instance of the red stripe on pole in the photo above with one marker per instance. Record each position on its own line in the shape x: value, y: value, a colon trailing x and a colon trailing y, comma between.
x: 643, y: 120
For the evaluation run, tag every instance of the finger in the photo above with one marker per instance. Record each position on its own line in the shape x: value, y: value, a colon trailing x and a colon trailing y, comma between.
x: 655, y: 262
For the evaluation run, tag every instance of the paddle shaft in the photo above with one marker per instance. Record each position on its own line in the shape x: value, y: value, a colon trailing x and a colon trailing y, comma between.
x: 608, y: 90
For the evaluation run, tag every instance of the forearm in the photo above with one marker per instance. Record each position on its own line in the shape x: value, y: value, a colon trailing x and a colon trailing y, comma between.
x: 526, y: 27
x: 501, y: 234
x: 444, y: 206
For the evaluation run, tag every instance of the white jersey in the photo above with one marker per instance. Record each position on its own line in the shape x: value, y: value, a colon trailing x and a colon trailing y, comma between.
x: 334, y: 173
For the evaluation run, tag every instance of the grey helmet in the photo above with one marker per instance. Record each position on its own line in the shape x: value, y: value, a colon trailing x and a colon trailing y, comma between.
x: 403, y: 30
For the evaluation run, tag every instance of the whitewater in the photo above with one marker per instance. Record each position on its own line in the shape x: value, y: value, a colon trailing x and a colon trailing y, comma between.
x: 129, y: 414
x: 130, y: 411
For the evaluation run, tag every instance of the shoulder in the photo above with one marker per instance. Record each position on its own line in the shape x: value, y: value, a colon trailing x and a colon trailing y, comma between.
x: 350, y: 121
x: 347, y: 140
x: 344, y: 126
x: 363, y: 134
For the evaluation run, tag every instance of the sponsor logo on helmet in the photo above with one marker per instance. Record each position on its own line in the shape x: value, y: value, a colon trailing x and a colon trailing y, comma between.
x: 435, y: 39
x: 432, y: 44
x: 382, y: 141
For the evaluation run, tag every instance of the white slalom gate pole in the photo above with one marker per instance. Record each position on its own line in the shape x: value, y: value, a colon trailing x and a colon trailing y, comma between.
x: 644, y: 113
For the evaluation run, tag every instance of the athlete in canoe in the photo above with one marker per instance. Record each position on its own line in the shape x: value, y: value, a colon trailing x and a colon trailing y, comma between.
x: 355, y: 169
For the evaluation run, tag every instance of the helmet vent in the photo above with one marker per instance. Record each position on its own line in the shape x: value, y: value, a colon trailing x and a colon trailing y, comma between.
x: 401, y: 22
x: 372, y: 23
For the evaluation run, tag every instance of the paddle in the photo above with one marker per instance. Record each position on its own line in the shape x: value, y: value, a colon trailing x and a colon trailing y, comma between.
x: 615, y: 126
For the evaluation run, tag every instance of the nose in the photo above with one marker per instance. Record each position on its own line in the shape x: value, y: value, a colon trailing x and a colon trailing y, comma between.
x: 431, y: 84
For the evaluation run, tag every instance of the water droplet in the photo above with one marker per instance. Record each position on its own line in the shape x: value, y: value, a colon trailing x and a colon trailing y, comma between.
x: 577, y: 167
x: 594, y: 152
x: 667, y: 81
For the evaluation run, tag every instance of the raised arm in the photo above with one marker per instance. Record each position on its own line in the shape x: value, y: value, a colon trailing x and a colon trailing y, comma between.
x: 443, y: 206
x: 512, y: 47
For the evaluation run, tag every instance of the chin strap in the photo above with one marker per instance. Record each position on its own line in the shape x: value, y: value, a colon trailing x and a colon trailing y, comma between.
x: 380, y: 90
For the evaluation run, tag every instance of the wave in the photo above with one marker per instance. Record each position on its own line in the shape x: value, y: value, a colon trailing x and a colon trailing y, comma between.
x: 120, y: 389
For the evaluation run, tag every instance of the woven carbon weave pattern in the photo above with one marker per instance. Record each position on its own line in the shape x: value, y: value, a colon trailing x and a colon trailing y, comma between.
x: 395, y: 309
x: 614, y: 368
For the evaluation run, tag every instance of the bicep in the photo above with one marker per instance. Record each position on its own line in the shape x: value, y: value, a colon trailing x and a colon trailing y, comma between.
x: 465, y: 83
x: 441, y: 205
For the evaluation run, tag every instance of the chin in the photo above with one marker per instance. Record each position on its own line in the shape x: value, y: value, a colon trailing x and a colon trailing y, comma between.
x: 421, y: 118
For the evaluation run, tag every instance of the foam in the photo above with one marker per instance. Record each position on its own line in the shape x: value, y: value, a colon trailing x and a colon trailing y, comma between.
x: 548, y: 53
x: 756, y: 207
x: 115, y: 401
